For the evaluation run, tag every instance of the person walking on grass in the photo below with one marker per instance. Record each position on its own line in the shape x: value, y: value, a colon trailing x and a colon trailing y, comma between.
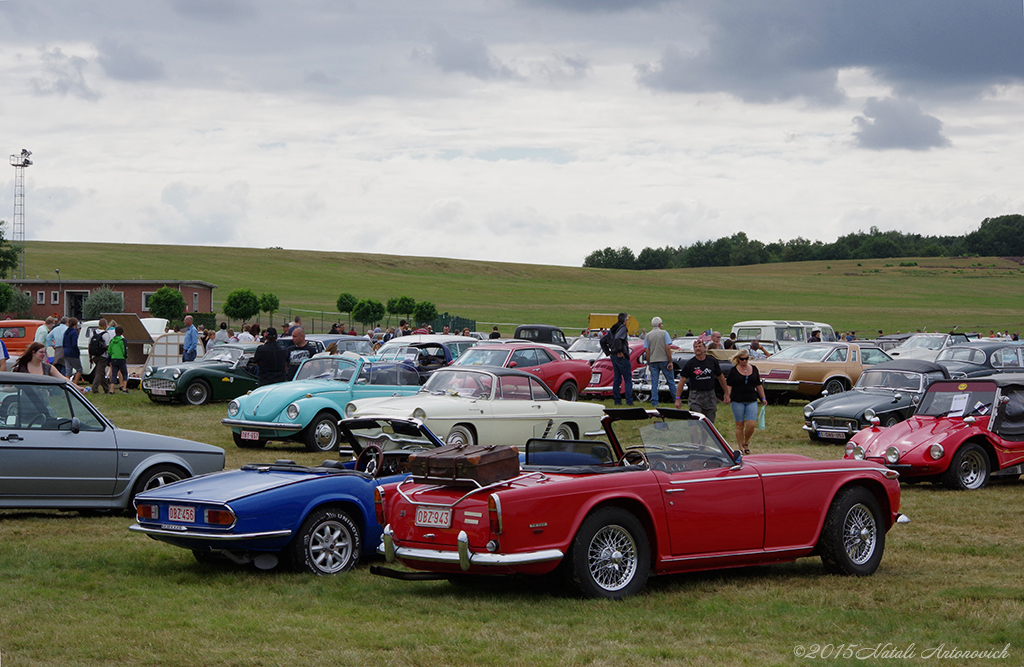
x: 118, y: 351
x: 745, y: 392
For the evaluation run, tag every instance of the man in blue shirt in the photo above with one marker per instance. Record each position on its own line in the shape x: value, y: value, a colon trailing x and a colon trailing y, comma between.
x: 191, y: 340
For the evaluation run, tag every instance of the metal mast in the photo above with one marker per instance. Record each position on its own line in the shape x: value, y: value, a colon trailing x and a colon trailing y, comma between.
x: 19, y: 162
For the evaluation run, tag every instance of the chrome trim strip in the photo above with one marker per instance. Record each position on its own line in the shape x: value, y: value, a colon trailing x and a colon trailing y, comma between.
x: 711, y: 479
x: 139, y: 528
x: 815, y: 472
x: 266, y: 425
x: 482, y: 558
x: 754, y: 552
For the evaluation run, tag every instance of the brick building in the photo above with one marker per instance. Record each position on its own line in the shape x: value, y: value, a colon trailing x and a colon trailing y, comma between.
x: 65, y: 297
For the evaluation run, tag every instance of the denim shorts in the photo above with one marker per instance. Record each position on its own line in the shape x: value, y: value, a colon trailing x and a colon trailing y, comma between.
x: 744, y: 412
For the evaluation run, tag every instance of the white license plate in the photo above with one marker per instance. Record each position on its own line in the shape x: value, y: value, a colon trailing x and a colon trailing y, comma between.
x: 182, y: 514
x: 595, y: 378
x: 834, y: 435
x: 434, y: 517
x: 249, y: 435
x: 159, y: 392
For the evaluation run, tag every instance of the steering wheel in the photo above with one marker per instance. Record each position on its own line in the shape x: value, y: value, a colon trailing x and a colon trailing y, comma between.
x: 635, y: 457
x: 370, y: 460
x: 37, y: 422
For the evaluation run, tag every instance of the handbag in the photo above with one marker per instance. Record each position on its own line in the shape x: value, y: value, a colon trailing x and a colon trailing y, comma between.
x: 760, y: 417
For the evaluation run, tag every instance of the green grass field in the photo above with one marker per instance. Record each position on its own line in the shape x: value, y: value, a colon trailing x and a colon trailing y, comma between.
x: 84, y: 591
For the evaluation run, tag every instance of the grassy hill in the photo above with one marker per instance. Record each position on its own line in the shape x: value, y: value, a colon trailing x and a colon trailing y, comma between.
x: 976, y: 294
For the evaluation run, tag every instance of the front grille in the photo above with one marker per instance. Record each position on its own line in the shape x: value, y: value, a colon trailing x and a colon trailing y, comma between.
x: 836, y: 423
x: 158, y: 383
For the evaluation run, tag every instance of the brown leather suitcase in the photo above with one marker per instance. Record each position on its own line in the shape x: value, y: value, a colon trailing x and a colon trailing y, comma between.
x: 465, y: 464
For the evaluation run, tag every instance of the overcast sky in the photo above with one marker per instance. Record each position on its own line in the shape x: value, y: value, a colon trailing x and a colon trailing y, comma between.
x: 528, y: 131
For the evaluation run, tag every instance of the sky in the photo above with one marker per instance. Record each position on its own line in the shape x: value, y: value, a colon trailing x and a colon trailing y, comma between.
x: 532, y: 131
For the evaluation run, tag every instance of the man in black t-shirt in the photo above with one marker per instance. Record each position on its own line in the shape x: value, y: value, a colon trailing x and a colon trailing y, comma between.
x: 271, y: 359
x: 700, y: 373
x: 298, y: 350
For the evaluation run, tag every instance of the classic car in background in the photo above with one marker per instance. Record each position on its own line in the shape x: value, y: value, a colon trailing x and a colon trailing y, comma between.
x: 888, y: 391
x: 787, y: 332
x: 604, y: 516
x: 308, y: 408
x: 602, y: 374
x: 223, y: 373
x: 318, y: 519
x: 963, y: 433
x: 982, y: 358
x: 427, y: 351
x: 58, y: 451
x: 553, y: 365
x: 488, y: 406
x: 345, y: 343
x: 586, y: 348
x: 805, y: 371
x: 17, y: 335
x: 926, y: 346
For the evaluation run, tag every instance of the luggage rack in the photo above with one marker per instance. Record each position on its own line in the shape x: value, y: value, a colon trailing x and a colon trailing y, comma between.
x: 447, y: 481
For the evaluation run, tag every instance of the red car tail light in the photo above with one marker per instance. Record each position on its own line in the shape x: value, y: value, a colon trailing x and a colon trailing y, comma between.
x: 494, y: 514
x: 219, y: 517
x: 778, y: 374
x: 143, y: 511
x: 378, y: 504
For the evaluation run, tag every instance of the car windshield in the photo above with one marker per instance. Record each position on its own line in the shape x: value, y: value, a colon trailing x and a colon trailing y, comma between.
x: 361, y: 346
x: 894, y: 380
x: 808, y: 352
x: 924, y: 342
x: 222, y: 353
x: 468, y: 384
x: 327, y: 368
x: 586, y: 345
x: 958, y: 399
x: 455, y: 348
x: 677, y: 445
x: 967, y: 355
x: 398, y: 353
x: 482, y: 357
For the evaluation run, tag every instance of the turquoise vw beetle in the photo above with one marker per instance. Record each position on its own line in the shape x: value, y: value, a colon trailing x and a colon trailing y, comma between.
x: 308, y: 408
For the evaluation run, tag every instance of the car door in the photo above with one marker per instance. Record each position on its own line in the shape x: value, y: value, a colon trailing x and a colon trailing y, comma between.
x: 40, y: 457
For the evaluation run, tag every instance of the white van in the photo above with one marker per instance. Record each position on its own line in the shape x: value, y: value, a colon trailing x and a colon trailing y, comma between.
x: 786, y: 332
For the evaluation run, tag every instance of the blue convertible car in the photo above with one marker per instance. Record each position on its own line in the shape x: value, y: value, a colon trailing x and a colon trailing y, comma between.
x: 317, y: 519
x: 308, y: 408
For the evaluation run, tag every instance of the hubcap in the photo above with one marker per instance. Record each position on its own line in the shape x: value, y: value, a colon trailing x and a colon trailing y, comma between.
x: 330, y: 547
x: 972, y: 470
x: 196, y: 394
x: 324, y: 436
x: 859, y: 531
x: 612, y: 558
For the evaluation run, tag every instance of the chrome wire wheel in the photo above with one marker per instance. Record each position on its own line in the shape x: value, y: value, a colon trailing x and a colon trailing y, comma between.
x: 197, y: 393
x: 612, y: 558
x: 330, y: 547
x: 860, y: 533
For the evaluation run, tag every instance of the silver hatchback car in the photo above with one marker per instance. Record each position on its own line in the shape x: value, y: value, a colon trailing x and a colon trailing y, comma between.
x: 58, y: 451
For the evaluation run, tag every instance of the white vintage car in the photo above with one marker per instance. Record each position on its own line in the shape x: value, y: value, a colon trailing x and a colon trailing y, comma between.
x: 488, y: 406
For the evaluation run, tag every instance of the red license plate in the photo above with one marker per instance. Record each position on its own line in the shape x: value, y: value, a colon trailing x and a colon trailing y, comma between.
x: 434, y: 517
x: 250, y: 435
x: 182, y: 514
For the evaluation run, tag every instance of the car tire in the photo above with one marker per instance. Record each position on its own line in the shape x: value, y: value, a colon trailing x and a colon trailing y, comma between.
x: 609, y: 557
x: 322, y: 433
x: 565, y: 432
x: 328, y: 542
x: 853, y: 538
x: 197, y: 393
x: 569, y: 391
x: 460, y: 435
x: 156, y: 477
x: 969, y: 469
x: 891, y: 420
x: 834, y: 386
x: 247, y: 444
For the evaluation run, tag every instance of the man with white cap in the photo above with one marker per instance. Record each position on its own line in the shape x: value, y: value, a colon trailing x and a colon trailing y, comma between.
x: 659, y: 358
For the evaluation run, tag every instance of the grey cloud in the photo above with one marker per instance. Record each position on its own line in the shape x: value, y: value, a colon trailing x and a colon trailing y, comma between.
x: 63, y: 76
x: 596, y: 6
x: 471, y: 57
x: 890, y: 123
x: 202, y: 215
x: 215, y: 11
x: 125, y: 63
x: 563, y: 68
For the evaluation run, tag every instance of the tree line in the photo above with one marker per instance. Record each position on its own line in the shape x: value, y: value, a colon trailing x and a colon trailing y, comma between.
x: 995, y: 237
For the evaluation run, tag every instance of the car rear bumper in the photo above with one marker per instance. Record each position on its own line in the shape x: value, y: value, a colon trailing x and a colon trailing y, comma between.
x: 185, y: 534
x: 464, y: 557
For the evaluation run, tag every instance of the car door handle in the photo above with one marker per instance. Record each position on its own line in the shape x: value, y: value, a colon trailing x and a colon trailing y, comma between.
x: 14, y: 437
x: 674, y: 490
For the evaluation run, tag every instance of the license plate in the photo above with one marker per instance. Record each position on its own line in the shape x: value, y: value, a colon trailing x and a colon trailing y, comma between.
x: 434, y: 517
x: 249, y: 435
x: 158, y: 392
x: 595, y: 378
x: 182, y: 514
x: 834, y: 435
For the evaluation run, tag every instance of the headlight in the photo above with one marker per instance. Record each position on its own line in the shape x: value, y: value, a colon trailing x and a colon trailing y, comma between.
x: 292, y: 411
x: 858, y: 453
x: 869, y: 414
x: 936, y: 451
x: 149, y: 371
x: 176, y: 373
x: 808, y: 411
x: 892, y: 455
x: 232, y: 408
x: 349, y: 411
x: 418, y: 413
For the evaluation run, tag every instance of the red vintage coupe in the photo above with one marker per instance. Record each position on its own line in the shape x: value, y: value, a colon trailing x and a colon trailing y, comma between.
x: 602, y: 374
x: 552, y: 364
x: 605, y: 516
x: 963, y: 433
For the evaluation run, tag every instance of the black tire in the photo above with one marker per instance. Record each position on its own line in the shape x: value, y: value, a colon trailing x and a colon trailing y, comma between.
x: 565, y: 432
x: 156, y: 477
x: 569, y: 391
x: 609, y: 557
x: 328, y: 542
x: 322, y: 433
x: 853, y: 538
x: 834, y: 386
x: 891, y: 420
x: 197, y: 393
x: 969, y: 469
x: 777, y: 399
x: 247, y: 444
x: 460, y: 435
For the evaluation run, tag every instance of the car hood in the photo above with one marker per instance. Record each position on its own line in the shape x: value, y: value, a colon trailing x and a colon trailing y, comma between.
x: 270, y: 400
x: 137, y: 440
x: 191, y: 366
x: 395, y: 406
x: 224, y: 487
x: 854, y: 403
x: 922, y: 353
x: 908, y: 435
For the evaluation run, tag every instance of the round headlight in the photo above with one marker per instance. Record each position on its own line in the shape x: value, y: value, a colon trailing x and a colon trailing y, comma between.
x: 350, y: 410
x: 808, y: 411
x: 869, y: 414
x: 892, y: 455
x: 858, y: 453
x: 232, y: 408
x: 176, y: 373
x: 149, y: 371
x: 418, y: 413
x: 936, y: 451
x: 292, y: 411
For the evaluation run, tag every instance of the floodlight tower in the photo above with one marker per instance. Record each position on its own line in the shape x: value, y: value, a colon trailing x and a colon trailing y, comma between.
x: 19, y: 162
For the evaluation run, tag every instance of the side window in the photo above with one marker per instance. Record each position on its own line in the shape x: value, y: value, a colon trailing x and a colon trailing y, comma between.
x: 524, y: 358
x: 544, y: 356
x: 1006, y: 356
x: 748, y: 334
x: 540, y: 392
x: 514, y: 388
x: 871, y: 356
x: 838, y: 355
x: 47, y: 408
x: 528, y: 334
x: 407, y: 376
x: 557, y: 337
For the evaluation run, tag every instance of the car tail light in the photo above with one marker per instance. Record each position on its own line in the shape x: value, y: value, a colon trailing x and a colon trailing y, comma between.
x: 378, y: 504
x: 494, y: 514
x: 778, y: 374
x: 144, y: 511
x: 219, y: 517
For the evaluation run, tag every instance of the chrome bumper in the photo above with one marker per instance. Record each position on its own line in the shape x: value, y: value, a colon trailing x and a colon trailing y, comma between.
x: 464, y: 557
x: 185, y: 534
x: 270, y: 426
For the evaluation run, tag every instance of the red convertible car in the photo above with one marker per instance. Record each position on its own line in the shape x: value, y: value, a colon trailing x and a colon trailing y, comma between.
x: 602, y: 374
x: 604, y: 516
x: 964, y: 432
x: 553, y: 365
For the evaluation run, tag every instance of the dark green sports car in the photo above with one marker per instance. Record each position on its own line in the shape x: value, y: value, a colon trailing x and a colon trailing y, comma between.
x: 224, y: 372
